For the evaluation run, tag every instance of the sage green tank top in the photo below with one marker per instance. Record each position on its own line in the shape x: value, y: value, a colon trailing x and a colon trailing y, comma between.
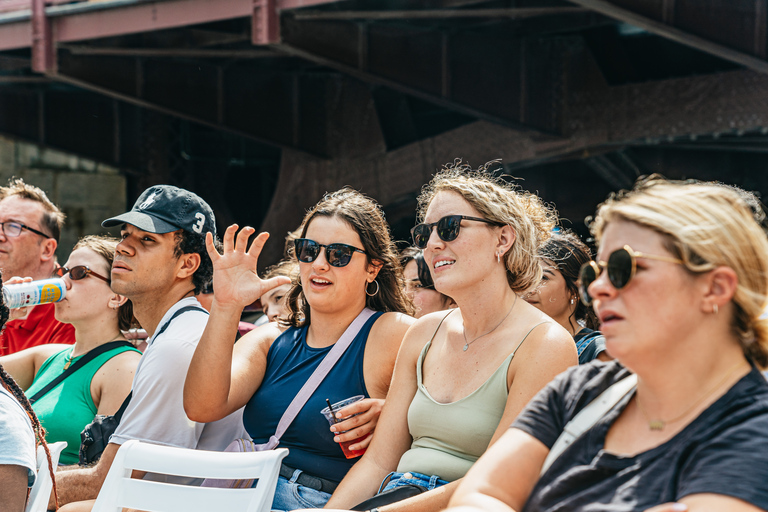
x: 449, y: 438
x: 66, y: 409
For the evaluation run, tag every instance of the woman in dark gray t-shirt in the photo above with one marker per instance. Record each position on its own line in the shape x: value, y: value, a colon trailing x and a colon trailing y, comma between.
x: 681, y: 282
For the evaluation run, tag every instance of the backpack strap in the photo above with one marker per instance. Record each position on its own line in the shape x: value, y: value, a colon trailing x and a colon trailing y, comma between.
x: 589, y: 416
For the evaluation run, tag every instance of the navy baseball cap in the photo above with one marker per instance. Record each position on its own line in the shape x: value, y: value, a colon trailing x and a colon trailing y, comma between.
x: 165, y: 208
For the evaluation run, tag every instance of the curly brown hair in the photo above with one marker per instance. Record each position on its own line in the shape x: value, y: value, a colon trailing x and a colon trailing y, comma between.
x: 363, y: 215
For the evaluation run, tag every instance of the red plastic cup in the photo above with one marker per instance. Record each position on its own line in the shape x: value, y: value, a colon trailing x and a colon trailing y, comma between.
x: 350, y: 454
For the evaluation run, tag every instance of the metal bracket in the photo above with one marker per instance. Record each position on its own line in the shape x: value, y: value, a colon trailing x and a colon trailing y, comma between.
x: 43, y: 48
x: 266, y: 22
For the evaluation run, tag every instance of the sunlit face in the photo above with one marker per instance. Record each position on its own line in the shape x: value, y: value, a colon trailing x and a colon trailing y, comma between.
x: 20, y: 255
x: 656, y: 309
x: 327, y: 288
x: 273, y: 302
x: 464, y: 261
x: 553, y: 297
x: 145, y: 263
x: 88, y: 297
x: 425, y: 300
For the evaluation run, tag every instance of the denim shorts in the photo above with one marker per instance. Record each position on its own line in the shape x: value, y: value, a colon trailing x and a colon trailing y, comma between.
x: 290, y: 495
x: 396, y: 479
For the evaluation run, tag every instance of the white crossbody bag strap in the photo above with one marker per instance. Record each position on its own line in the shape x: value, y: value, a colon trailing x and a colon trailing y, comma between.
x: 588, y: 416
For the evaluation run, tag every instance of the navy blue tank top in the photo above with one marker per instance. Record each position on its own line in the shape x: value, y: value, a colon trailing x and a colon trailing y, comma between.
x: 290, y: 362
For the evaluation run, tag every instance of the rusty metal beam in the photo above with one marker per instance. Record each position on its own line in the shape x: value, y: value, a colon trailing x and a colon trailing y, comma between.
x: 365, y: 76
x: 43, y: 46
x: 510, y: 13
x: 674, y: 34
x: 192, y: 53
x: 266, y: 22
x: 159, y: 108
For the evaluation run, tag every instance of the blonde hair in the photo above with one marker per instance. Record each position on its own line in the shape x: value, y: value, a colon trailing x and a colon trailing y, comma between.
x: 502, y: 202
x: 706, y: 225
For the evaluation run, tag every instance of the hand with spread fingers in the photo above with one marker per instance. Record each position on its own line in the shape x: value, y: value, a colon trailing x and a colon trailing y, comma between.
x: 234, y: 271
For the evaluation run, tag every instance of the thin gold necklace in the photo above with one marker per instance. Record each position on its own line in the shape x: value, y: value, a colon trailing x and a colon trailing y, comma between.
x: 70, y: 357
x: 464, y: 332
x: 659, y: 424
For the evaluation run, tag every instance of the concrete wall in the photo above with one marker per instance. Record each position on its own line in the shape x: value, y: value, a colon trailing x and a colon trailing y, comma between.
x: 86, y: 191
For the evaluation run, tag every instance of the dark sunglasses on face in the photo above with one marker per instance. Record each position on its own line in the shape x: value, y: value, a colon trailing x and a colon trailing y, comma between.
x: 77, y: 273
x: 447, y: 229
x: 337, y: 255
x: 621, y: 267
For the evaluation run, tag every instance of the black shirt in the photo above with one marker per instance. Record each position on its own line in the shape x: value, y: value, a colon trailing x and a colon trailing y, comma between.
x: 723, y: 451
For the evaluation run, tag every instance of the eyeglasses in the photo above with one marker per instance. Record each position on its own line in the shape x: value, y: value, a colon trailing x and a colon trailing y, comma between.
x: 77, y: 273
x: 338, y: 255
x: 447, y: 229
x: 621, y: 268
x: 13, y: 229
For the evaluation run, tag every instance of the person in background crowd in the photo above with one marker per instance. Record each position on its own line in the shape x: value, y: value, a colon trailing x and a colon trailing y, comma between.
x: 160, y: 265
x: 30, y: 225
x: 99, y: 316
x: 19, y: 428
x: 558, y: 294
x: 347, y: 262
x: 273, y: 303
x: 463, y: 375
x: 680, y: 283
x: 419, y: 286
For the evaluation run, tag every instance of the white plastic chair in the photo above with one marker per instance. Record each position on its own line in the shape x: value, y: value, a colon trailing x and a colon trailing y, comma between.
x: 120, y: 490
x: 41, y: 489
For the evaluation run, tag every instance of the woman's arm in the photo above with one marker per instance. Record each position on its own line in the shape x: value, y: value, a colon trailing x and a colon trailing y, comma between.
x: 220, y: 380
x: 24, y: 365
x: 381, y: 351
x: 113, y: 381
x: 503, y: 478
x: 393, y: 439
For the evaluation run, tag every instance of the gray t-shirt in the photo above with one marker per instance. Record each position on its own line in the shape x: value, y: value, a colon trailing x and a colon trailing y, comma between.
x: 17, y: 439
x: 723, y: 451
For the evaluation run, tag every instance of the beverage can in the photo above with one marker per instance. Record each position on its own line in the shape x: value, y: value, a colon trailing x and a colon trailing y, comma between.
x: 36, y: 292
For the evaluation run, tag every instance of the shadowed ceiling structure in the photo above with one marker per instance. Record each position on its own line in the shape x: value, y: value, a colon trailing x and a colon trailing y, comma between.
x: 261, y: 106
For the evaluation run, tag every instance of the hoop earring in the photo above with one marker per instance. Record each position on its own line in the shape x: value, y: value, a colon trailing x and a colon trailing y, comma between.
x: 374, y: 293
x: 572, y: 300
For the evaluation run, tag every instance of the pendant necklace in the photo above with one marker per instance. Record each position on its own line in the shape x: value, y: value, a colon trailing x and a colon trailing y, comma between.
x: 659, y: 424
x: 464, y: 332
x: 70, y: 357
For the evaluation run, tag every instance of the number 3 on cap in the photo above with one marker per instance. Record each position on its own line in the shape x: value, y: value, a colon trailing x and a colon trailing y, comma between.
x: 197, y: 227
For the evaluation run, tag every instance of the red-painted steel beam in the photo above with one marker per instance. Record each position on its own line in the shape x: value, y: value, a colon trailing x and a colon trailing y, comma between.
x: 266, y: 22
x: 86, y: 21
x: 43, y: 52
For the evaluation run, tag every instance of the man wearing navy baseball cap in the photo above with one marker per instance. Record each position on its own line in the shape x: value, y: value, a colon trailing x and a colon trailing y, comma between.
x: 160, y: 264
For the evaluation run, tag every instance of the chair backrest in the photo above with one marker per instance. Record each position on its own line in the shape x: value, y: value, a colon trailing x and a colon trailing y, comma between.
x: 41, y: 490
x: 120, y: 490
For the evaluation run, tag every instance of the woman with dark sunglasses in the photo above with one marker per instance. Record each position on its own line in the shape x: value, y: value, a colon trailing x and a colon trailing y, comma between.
x: 99, y: 316
x: 347, y: 262
x: 463, y: 375
x: 558, y: 294
x: 679, y: 286
x: 419, y: 286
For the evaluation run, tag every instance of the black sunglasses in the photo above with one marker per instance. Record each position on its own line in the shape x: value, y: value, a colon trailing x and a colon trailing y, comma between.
x: 621, y: 267
x: 77, y: 273
x: 338, y: 255
x: 447, y: 229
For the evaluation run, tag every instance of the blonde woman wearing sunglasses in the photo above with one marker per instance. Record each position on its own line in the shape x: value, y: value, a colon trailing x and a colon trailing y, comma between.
x: 463, y: 375
x: 679, y: 285
x: 99, y: 316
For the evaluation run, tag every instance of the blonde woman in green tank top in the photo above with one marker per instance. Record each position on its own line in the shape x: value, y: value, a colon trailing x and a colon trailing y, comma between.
x: 98, y: 315
x: 462, y: 376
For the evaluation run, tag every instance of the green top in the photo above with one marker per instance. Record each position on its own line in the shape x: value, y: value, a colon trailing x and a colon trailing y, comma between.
x: 66, y: 409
